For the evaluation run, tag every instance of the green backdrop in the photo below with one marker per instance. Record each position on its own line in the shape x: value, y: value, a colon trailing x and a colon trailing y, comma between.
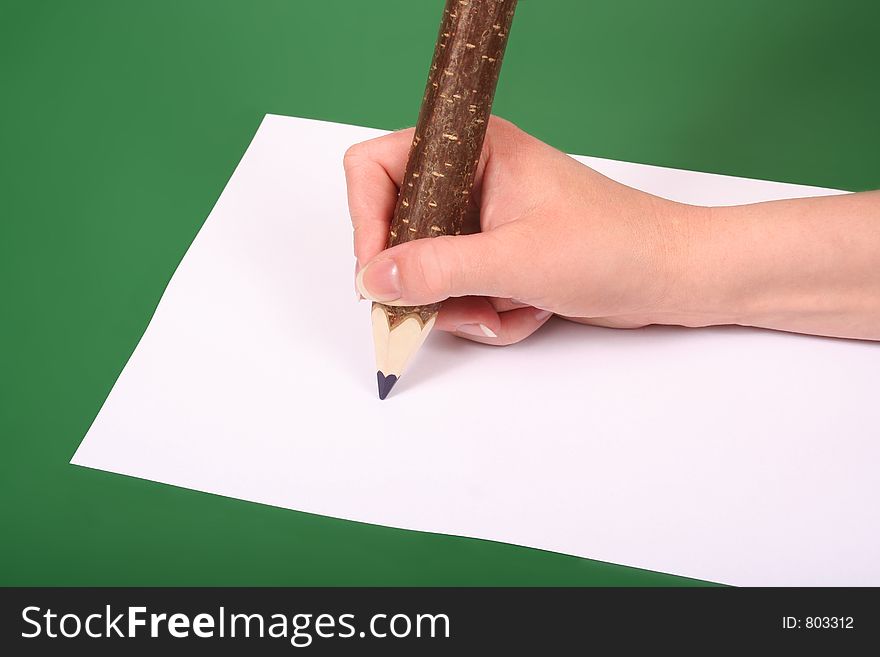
x: 121, y: 121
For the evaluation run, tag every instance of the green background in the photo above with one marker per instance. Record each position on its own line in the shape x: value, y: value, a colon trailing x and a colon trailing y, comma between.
x: 121, y: 121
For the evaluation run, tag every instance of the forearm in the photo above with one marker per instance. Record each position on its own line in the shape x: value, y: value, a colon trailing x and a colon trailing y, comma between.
x: 801, y: 265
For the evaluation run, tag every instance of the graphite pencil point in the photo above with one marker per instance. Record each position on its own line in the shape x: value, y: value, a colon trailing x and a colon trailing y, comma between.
x: 385, y: 384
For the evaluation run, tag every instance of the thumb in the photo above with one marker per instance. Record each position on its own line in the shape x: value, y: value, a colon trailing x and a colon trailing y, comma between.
x: 433, y: 269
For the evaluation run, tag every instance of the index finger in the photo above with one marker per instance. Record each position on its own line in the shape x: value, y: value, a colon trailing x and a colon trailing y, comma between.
x: 373, y: 172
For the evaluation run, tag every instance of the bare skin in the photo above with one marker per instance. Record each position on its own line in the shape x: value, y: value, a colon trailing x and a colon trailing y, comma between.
x: 558, y: 238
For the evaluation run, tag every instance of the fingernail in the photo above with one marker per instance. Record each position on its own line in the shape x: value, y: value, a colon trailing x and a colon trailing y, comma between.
x: 379, y: 281
x: 541, y: 315
x: 477, y: 330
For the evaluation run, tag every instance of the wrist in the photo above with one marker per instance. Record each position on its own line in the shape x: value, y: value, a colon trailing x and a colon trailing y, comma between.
x: 699, y: 288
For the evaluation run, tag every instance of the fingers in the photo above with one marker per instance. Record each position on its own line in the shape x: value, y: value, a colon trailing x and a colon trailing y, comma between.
x: 426, y: 271
x: 503, y: 305
x: 373, y: 170
x: 475, y: 319
x: 469, y: 315
x: 429, y: 270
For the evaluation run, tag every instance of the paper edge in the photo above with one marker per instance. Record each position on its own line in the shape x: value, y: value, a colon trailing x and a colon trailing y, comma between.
x: 73, y: 458
x: 344, y: 518
x: 596, y: 157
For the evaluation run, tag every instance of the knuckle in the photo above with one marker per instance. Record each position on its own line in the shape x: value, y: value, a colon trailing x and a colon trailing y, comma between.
x: 506, y: 128
x: 502, y: 123
x: 353, y: 154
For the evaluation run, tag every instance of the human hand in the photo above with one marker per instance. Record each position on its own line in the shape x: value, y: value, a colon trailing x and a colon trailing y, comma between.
x: 557, y: 238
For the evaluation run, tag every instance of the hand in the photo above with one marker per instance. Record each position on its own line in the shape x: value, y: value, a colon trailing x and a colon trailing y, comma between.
x: 557, y: 238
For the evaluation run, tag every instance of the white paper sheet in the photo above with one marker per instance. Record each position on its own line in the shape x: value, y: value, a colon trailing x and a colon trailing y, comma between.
x: 740, y: 456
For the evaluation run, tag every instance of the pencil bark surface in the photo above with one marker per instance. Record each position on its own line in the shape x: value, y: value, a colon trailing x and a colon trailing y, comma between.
x: 451, y: 128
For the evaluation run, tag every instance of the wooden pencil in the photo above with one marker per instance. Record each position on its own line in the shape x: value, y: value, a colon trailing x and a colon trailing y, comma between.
x: 443, y: 159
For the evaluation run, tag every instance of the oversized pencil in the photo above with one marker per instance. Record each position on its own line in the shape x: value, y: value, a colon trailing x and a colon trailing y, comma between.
x: 443, y: 159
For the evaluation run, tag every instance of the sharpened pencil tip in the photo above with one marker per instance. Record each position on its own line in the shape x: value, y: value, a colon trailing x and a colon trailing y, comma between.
x: 385, y: 384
